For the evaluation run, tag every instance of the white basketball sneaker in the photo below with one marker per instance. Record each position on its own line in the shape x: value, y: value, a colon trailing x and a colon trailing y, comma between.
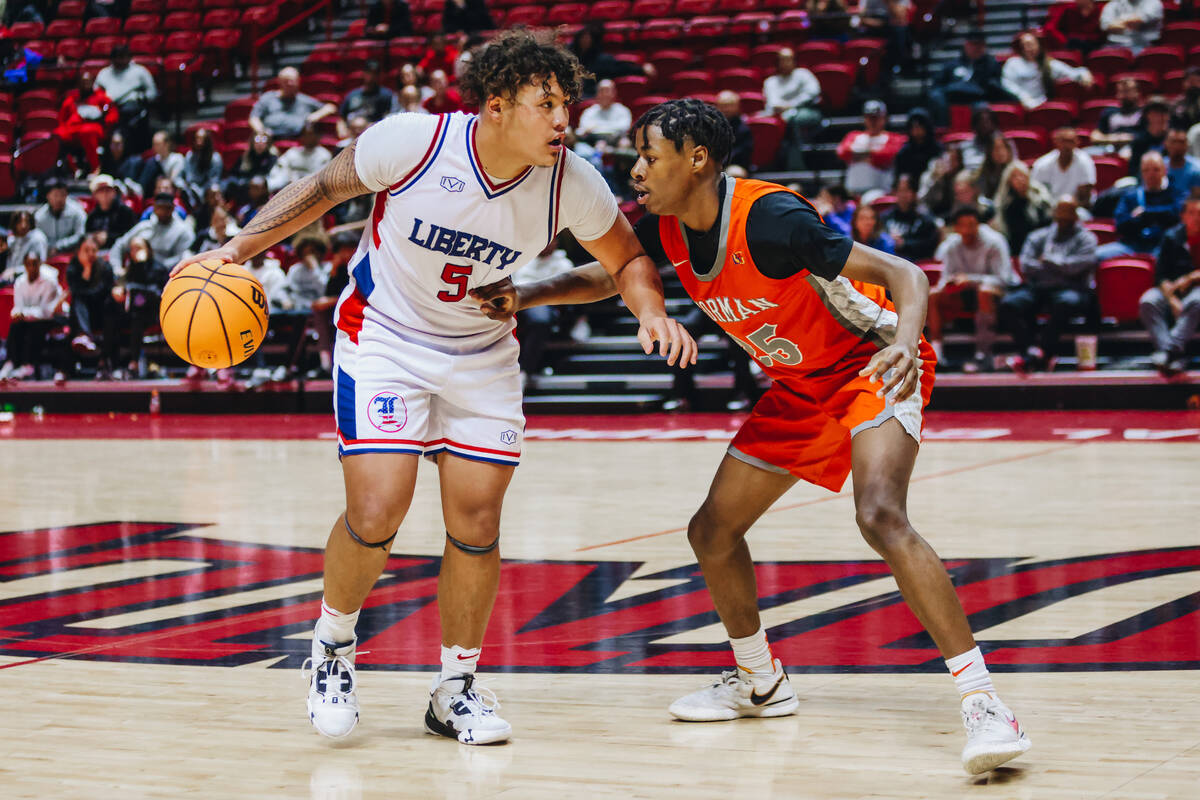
x: 993, y: 734
x: 740, y: 694
x: 332, y: 704
x: 463, y: 711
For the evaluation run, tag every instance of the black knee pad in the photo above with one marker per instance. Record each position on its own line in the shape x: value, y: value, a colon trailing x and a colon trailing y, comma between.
x: 377, y: 545
x: 474, y: 550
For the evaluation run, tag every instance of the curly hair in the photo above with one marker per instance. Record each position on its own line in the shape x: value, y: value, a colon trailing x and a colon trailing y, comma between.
x: 515, y: 58
x: 680, y: 120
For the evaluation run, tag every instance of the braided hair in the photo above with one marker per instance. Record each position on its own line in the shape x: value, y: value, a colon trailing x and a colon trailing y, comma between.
x: 680, y: 120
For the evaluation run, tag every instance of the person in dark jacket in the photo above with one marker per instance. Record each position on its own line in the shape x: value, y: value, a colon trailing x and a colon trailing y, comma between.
x: 588, y: 47
x: 1176, y: 295
x: 467, y: 16
x: 971, y: 78
x: 915, y: 233
x: 730, y: 105
x: 90, y: 281
x: 387, y: 19
x: 921, y: 148
x: 1145, y: 212
x: 1057, y: 266
x: 110, y: 218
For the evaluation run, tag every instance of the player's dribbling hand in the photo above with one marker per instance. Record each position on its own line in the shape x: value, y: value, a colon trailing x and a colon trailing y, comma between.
x: 674, y: 341
x: 905, y: 367
x: 498, y: 301
x: 223, y: 254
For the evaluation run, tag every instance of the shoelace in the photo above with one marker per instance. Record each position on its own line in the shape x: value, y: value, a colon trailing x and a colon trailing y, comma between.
x: 977, y: 717
x: 343, y: 663
x: 479, y: 699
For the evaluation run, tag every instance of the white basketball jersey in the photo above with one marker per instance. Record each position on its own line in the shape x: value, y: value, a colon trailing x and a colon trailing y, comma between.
x: 441, y: 226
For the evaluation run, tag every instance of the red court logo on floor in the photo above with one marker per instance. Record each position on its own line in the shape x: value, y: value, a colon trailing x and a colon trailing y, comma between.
x: 151, y: 592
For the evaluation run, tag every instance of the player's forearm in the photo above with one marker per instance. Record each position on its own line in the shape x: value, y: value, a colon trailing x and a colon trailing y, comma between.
x: 910, y: 293
x: 587, y: 284
x: 641, y: 288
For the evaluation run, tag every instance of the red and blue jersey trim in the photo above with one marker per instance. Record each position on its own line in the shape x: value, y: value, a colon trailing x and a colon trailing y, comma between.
x: 431, y: 154
x: 490, y: 190
x: 556, y: 182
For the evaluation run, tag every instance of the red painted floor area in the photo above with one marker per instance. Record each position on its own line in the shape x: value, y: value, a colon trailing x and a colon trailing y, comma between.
x: 1176, y: 426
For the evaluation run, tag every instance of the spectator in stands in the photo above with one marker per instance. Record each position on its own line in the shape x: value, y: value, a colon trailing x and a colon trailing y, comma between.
x: 90, y: 281
x: 270, y: 274
x: 109, y: 218
x: 828, y: 19
x: 445, y: 99
x: 123, y: 166
x: 865, y: 228
x: 936, y: 188
x: 345, y: 245
x: 301, y: 161
x: 257, y: 195
x: 354, y: 128
x: 605, y: 120
x: 729, y: 103
x: 305, y: 285
x: 984, y: 126
x: 259, y: 159
x: 284, y: 113
x: 37, y: 304
x: 976, y: 271
x: 25, y: 238
x: 108, y: 8
x: 990, y: 174
x: 410, y: 101
x: 966, y: 193
x: 202, y: 167
x: 87, y: 114
x: 1057, y: 266
x: 1030, y: 74
x: 1186, y: 111
x: 914, y: 233
x: 1156, y: 121
x: 440, y: 55
x: 1183, y: 171
x: 1135, y: 24
x: 164, y: 185
x: 588, y: 47
x: 1022, y: 205
x: 164, y: 161
x: 371, y: 100
x: 539, y: 322
x: 1117, y: 126
x: 971, y: 78
x: 892, y: 18
x: 1067, y: 170
x: 1074, y: 25
x: 467, y: 16
x: 1145, y: 212
x: 213, y: 199
x: 1176, y: 297
x: 219, y: 230
x: 26, y: 11
x: 793, y: 94
x: 61, y: 218
x: 410, y: 77
x: 869, y: 153
x: 136, y: 296
x: 920, y: 149
x: 168, y: 236
x: 387, y: 19
x: 131, y: 87
x: 836, y: 207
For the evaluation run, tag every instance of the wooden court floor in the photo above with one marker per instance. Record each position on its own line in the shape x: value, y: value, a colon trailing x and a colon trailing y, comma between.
x: 156, y: 596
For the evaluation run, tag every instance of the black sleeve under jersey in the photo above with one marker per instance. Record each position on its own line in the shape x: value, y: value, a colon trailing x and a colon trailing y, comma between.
x: 786, y: 236
x: 647, y: 233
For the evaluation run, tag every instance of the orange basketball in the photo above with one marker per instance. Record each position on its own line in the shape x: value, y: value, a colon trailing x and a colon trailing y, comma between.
x: 213, y: 315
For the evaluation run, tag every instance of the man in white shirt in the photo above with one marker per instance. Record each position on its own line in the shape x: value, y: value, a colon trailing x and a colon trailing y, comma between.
x: 299, y: 162
x: 61, y: 218
x: 1067, y: 170
x: 605, y: 119
x: 37, y: 300
x: 794, y: 94
x: 1135, y: 24
x: 131, y: 87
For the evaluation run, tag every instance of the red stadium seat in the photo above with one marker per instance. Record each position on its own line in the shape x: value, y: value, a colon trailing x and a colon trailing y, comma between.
x: 765, y: 58
x: 145, y: 7
x: 8, y: 188
x: 237, y: 133
x: 1089, y: 113
x: 1160, y: 60
x: 836, y: 82
x: 72, y: 9
x: 933, y: 271
x: 691, y: 82
x: 187, y: 42
x: 260, y: 18
x: 222, y: 40
x: 142, y: 23
x: 739, y: 80
x: 563, y: 13
x: 1029, y: 144
x: 818, y: 52
x: 694, y: 8
x: 768, y: 135
x: 1147, y: 81
x: 1110, y: 60
x: 182, y: 5
x: 610, y: 10
x: 239, y: 110
x: 737, y: 6
x: 1120, y: 283
x: 632, y: 85
x: 102, y: 46
x: 1172, y: 83
x: 753, y: 103
x: 530, y: 16
x: 650, y: 9
x: 643, y: 104
x: 1051, y: 115
x: 660, y: 30
x: 182, y: 21
x: 670, y: 61
x: 1008, y: 115
x: 752, y: 23
x: 1182, y: 33
x: 70, y: 48
x: 37, y: 154
x: 719, y: 59
x: 1109, y: 170
x: 25, y: 31
x: 1072, y: 57
x: 857, y: 49
x: 792, y: 21
x: 102, y: 26
x: 148, y: 44
x: 1105, y: 230
x: 63, y: 28
x: 224, y: 18
x: 38, y: 100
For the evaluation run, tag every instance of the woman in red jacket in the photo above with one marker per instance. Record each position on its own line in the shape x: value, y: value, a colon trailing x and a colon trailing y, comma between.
x: 87, y: 113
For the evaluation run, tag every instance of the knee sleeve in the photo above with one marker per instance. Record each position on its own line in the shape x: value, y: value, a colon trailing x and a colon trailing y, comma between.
x: 472, y: 549
x: 377, y: 545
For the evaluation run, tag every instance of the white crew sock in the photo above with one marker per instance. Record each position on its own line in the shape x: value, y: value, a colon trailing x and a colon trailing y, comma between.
x: 336, y: 626
x: 458, y: 661
x: 752, y: 653
x: 970, y: 673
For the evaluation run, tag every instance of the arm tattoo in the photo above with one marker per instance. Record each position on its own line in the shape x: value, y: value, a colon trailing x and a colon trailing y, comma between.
x: 336, y: 182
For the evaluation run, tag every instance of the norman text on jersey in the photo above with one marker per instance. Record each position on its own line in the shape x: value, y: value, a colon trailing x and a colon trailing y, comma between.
x: 732, y: 309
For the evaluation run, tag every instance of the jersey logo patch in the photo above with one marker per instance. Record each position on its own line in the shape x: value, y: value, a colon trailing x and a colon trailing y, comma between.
x: 508, y: 437
x: 387, y: 412
x: 738, y: 258
x: 452, y: 184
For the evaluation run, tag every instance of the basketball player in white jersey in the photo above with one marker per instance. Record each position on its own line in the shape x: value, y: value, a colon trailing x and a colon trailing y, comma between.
x: 461, y: 201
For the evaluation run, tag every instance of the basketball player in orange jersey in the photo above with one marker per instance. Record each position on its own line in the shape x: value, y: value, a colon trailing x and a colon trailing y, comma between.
x: 851, y: 372
x: 461, y: 200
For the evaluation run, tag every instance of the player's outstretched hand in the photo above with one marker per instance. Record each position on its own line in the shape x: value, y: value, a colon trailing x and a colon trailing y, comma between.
x: 223, y: 254
x: 497, y: 300
x: 674, y: 341
x: 905, y: 367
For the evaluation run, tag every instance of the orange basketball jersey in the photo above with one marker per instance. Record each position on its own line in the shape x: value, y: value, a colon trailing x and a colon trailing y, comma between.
x: 794, y: 326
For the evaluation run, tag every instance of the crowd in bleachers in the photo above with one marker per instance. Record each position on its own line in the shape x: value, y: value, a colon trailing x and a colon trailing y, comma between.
x: 1037, y: 186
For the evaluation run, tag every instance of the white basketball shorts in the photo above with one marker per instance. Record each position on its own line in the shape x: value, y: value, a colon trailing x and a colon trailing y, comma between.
x: 395, y: 396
